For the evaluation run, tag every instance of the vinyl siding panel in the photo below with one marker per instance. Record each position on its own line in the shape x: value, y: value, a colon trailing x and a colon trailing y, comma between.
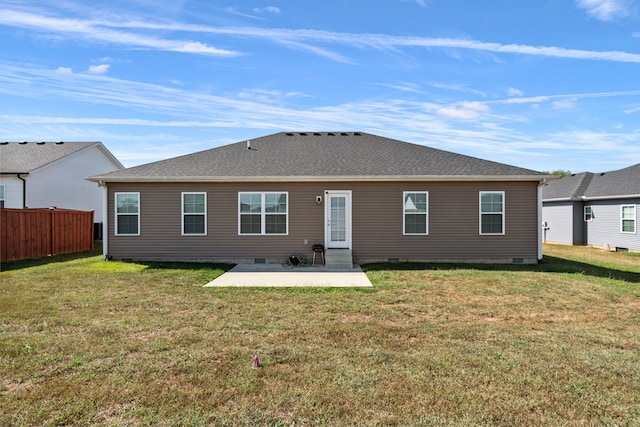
x: 604, y: 230
x: 377, y: 211
x: 561, y: 221
x: 63, y: 184
x: 12, y: 191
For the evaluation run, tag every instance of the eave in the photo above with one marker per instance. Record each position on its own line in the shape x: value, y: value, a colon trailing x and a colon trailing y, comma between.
x: 354, y: 178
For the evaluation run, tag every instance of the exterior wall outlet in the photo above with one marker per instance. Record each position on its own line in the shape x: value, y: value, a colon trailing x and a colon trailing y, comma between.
x: 306, y: 241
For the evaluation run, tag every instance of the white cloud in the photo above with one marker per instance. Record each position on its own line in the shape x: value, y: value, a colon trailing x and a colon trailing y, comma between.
x: 605, y: 10
x: 564, y: 104
x: 103, y: 31
x: 514, y: 92
x: 268, y: 9
x: 64, y: 70
x: 108, y: 31
x: 98, y: 69
x: 463, y: 111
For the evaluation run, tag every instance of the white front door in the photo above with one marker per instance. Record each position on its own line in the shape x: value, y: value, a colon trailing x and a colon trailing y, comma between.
x: 338, y: 219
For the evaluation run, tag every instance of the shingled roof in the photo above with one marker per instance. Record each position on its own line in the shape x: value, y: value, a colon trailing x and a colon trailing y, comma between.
x: 320, y: 156
x: 622, y: 183
x: 24, y: 157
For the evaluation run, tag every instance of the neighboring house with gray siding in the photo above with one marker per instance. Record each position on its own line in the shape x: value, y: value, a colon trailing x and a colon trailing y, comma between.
x: 373, y: 198
x: 596, y: 209
x: 45, y: 174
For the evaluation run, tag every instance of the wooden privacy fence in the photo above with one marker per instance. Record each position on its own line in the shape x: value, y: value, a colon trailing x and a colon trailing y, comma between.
x: 35, y: 233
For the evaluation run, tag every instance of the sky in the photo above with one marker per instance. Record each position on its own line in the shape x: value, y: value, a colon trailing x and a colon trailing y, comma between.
x: 542, y: 84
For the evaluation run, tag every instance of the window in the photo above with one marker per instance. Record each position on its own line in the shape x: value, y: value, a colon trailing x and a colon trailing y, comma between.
x: 128, y: 214
x: 492, y: 212
x: 1, y: 195
x: 628, y: 218
x: 588, y: 213
x: 263, y: 213
x: 194, y: 214
x: 415, y: 212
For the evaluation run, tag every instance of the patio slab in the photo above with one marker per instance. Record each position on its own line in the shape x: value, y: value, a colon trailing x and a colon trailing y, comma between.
x: 279, y: 276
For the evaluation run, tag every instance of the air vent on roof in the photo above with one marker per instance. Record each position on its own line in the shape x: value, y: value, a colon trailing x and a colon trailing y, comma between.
x: 22, y: 143
x: 60, y: 142
x: 289, y: 134
x: 602, y: 173
x: 4, y: 143
x: 357, y: 133
x: 41, y: 143
x: 330, y: 133
x: 317, y: 133
x: 303, y: 134
x: 344, y: 134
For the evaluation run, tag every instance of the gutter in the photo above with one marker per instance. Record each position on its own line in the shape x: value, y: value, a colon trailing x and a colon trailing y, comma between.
x: 353, y: 178
x: 105, y: 227
x: 24, y: 189
x: 542, y: 183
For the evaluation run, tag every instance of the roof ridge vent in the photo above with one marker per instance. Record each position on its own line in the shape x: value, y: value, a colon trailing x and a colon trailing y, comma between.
x: 22, y: 143
x: 303, y: 134
x: 344, y: 133
x: 317, y: 133
x: 289, y: 133
x: 357, y: 133
x: 331, y: 134
x: 41, y: 143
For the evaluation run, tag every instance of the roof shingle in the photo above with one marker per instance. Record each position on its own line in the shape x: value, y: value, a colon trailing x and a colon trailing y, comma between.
x: 318, y: 155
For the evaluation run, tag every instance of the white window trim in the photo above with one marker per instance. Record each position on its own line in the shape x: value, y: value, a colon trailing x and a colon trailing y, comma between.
x: 115, y: 208
x: 480, y: 213
x: 193, y: 214
x: 404, y: 214
x: 634, y: 219
x: 263, y: 214
x: 590, y: 213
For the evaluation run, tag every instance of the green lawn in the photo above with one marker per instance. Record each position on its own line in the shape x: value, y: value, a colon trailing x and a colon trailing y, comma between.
x: 89, y: 342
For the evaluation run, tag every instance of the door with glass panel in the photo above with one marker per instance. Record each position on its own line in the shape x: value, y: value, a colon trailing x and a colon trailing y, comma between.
x: 338, y: 219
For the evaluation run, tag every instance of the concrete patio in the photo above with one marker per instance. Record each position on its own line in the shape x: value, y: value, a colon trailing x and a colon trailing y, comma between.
x: 277, y: 275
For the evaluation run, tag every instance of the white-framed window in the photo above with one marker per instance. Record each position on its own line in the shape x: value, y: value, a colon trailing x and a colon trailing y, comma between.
x: 263, y: 213
x: 492, y: 217
x: 194, y: 214
x: 588, y: 213
x: 127, y: 214
x: 416, y: 212
x: 628, y: 219
x: 1, y: 195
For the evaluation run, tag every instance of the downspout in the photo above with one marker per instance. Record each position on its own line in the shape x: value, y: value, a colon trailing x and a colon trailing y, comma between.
x: 24, y: 190
x: 540, y: 185
x: 105, y: 227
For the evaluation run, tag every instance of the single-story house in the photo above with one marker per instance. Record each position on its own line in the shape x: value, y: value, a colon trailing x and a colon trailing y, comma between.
x: 368, y: 197
x: 46, y: 174
x: 595, y: 209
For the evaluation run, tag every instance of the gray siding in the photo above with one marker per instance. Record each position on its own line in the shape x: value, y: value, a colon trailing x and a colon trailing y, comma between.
x: 560, y: 220
x: 377, y: 223
x: 604, y: 230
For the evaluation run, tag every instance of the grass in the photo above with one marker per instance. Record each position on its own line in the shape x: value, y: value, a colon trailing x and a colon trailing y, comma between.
x: 88, y: 342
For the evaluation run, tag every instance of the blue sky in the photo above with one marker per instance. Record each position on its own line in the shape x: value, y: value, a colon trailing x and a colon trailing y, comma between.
x: 542, y: 84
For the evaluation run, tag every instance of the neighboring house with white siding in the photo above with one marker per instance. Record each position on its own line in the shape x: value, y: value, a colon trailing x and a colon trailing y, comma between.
x: 45, y: 174
x: 595, y: 209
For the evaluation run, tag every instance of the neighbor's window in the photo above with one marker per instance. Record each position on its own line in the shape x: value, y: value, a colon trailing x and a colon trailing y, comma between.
x: 263, y: 213
x: 1, y: 195
x: 416, y: 207
x: 194, y: 214
x: 588, y: 213
x: 128, y: 214
x: 492, y: 212
x: 628, y: 218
